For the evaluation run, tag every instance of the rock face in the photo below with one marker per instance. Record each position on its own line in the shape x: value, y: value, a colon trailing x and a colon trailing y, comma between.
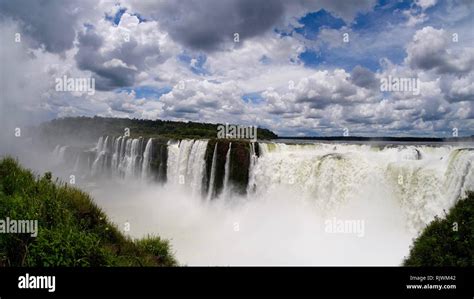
x: 159, y: 160
x: 219, y: 165
x: 238, y: 166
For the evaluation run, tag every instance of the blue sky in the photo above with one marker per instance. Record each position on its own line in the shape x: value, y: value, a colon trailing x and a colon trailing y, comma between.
x: 298, y: 68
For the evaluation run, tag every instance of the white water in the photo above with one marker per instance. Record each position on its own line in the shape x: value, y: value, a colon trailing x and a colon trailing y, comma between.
x: 276, y: 229
x: 121, y: 156
x: 186, y: 164
x: 147, y: 159
x: 213, y: 174
x: 101, y: 150
x: 253, y: 161
x: 58, y: 153
x: 293, y: 191
x: 226, y: 191
x: 331, y: 175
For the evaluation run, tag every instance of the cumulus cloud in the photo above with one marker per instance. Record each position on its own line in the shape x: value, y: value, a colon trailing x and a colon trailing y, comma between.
x: 424, y: 4
x: 429, y: 50
x: 459, y: 89
x: 188, y: 49
x: 210, y: 24
x: 324, y: 88
x: 195, y: 99
x: 117, y: 55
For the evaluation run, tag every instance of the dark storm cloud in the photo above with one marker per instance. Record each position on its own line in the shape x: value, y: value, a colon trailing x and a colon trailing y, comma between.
x: 116, y: 68
x: 89, y: 58
x: 363, y: 77
x: 207, y: 24
x: 442, y: 64
x: 48, y: 23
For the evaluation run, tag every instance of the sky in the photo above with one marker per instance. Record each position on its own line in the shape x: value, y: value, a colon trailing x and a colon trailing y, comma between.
x: 299, y: 68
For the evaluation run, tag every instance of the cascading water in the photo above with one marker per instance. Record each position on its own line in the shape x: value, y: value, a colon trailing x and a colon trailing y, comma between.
x: 227, y: 171
x: 253, y: 161
x: 424, y: 179
x: 396, y: 189
x: 101, y: 150
x: 120, y: 156
x: 59, y: 153
x: 186, y: 164
x: 213, y: 173
x: 116, y: 154
x: 147, y: 158
x: 134, y: 159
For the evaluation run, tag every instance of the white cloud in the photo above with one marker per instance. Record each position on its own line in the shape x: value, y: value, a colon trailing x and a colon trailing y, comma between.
x: 292, y: 98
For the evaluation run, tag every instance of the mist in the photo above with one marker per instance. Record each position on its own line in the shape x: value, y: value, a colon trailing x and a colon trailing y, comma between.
x: 344, y: 205
x: 276, y: 229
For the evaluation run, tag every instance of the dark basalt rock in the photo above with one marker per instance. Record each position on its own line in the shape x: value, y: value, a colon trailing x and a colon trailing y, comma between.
x: 257, y: 149
x: 239, y: 165
x: 159, y: 159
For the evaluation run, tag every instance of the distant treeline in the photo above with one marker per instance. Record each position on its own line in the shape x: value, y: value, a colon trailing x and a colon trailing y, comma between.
x: 396, y: 139
x: 91, y: 128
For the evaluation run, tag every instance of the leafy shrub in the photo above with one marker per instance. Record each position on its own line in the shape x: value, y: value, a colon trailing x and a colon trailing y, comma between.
x: 449, y: 241
x: 72, y: 229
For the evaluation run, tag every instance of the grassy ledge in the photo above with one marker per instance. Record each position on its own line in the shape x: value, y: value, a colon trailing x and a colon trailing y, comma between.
x: 448, y: 241
x: 72, y: 229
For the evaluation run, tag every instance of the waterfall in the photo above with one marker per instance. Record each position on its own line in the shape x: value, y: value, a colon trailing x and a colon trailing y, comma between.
x: 59, y: 154
x: 100, y: 144
x: 178, y: 171
x: 395, y: 190
x: 253, y: 161
x: 99, y: 163
x: 196, y: 167
x: 120, y: 156
x: 116, y: 154
x: 133, y: 159
x: 147, y: 158
x: 210, y: 192
x: 459, y: 176
x: 227, y: 171
x: 56, y: 150
x: 77, y: 163
x: 424, y: 180
x: 186, y: 163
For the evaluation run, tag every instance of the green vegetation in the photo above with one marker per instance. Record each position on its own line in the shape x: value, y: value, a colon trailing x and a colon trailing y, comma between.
x: 449, y: 241
x: 90, y: 129
x: 72, y: 230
